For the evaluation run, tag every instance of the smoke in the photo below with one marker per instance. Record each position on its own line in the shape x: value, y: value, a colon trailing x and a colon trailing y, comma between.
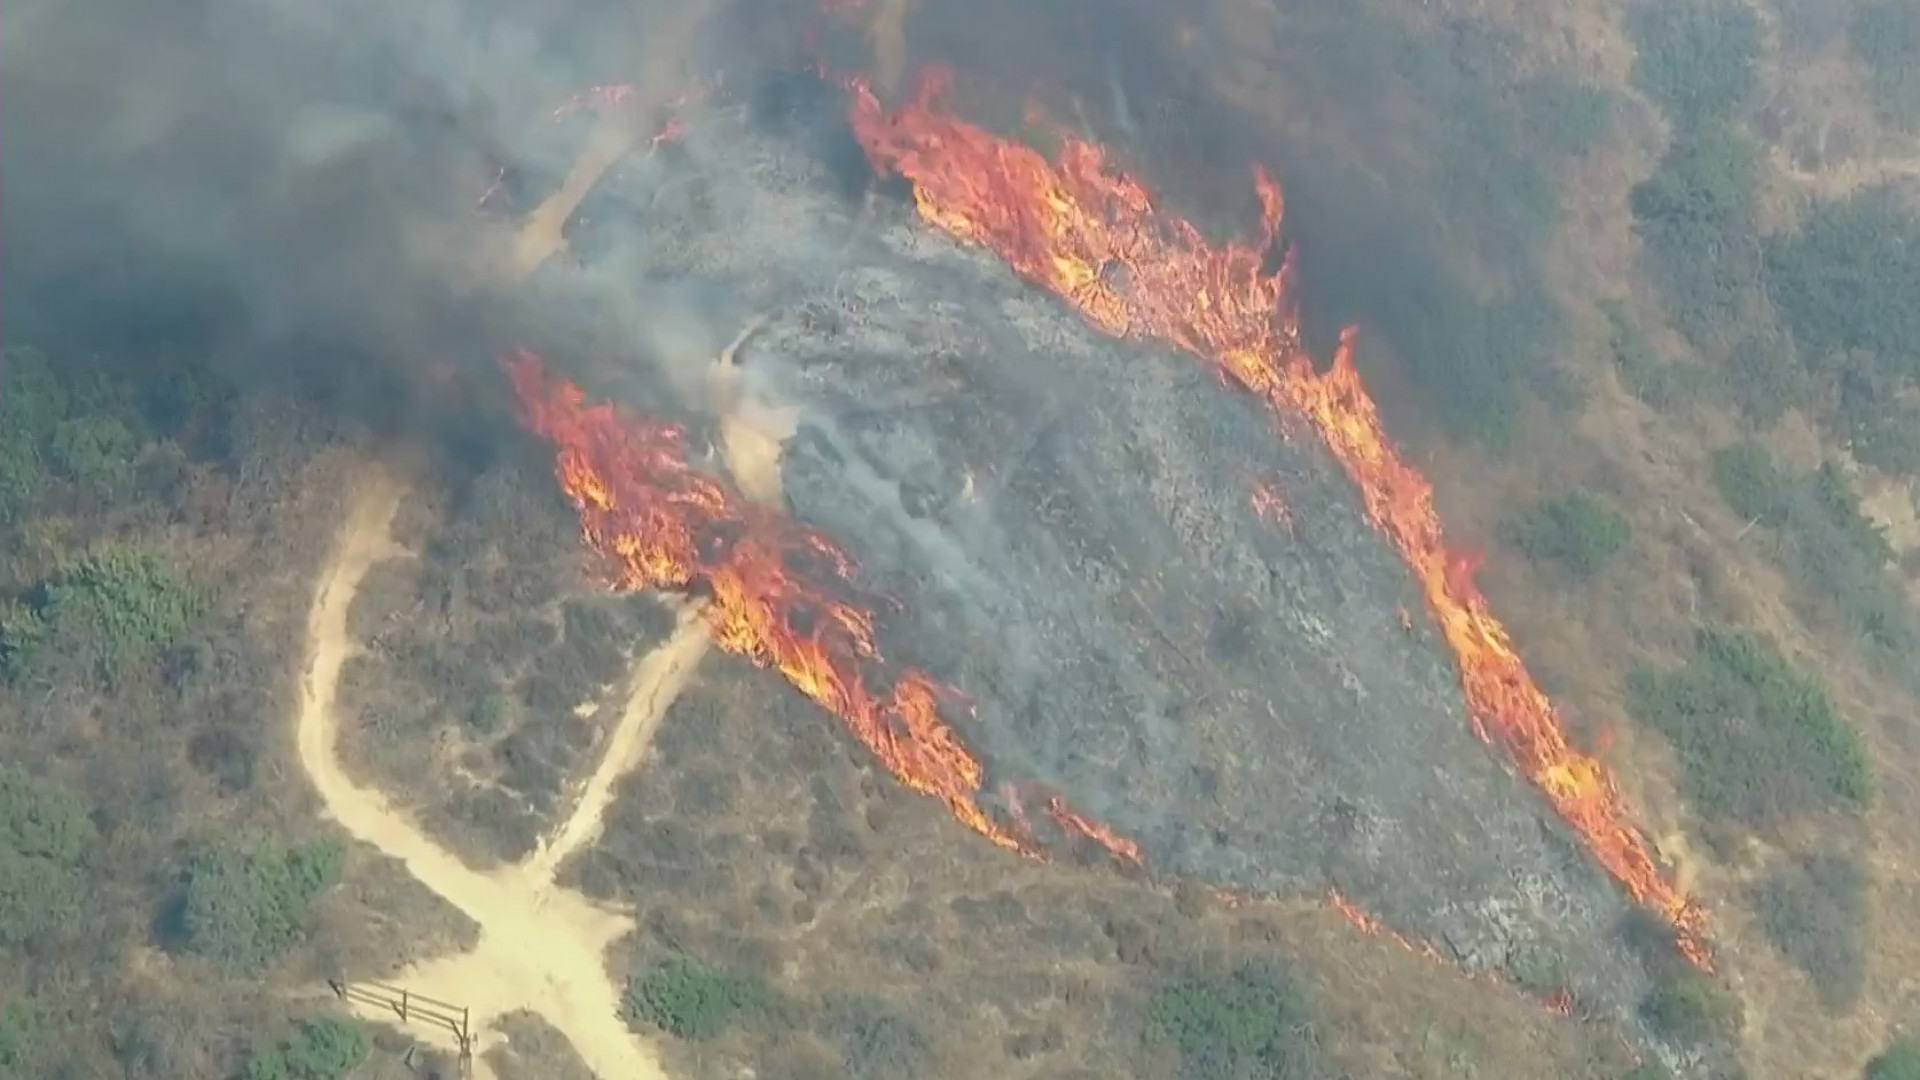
x: 291, y: 185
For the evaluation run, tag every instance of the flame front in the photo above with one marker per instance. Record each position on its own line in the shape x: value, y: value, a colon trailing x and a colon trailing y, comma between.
x: 776, y: 586
x: 1090, y: 233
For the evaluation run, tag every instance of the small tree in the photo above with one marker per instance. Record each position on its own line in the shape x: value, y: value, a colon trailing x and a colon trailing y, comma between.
x: 1695, y: 58
x: 325, y: 1049
x: 242, y: 908
x: 1249, y: 1025
x: 693, y: 1000
x: 1687, y: 1007
x: 44, y: 835
x: 1576, y: 530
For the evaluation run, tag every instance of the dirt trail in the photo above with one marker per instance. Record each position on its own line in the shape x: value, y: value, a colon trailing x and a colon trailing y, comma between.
x: 542, y: 947
x: 657, y: 680
x: 670, y: 39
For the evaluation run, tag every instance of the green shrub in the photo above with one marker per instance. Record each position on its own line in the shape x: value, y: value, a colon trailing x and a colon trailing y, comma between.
x: 1751, y: 483
x: 1645, y: 375
x: 876, y: 1041
x: 325, y: 1049
x: 489, y: 714
x: 1563, y: 116
x: 1759, y: 741
x: 1246, y: 1025
x: 1689, y: 1008
x: 112, y: 608
x: 1834, y: 500
x: 1845, y: 281
x: 1766, y: 379
x: 1813, y: 910
x: 41, y: 819
x: 1695, y: 216
x: 19, y: 1036
x: 1885, y: 35
x: 39, y: 901
x: 1576, y: 530
x: 83, y: 419
x: 1880, y: 420
x: 1651, y: 1070
x: 693, y: 1000
x: 1695, y: 58
x: 1900, y: 1061
x: 243, y: 907
x: 1837, y: 552
x: 96, y: 451
x: 44, y: 836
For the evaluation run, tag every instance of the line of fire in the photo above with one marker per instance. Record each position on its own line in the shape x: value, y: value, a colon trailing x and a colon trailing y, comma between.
x: 788, y: 597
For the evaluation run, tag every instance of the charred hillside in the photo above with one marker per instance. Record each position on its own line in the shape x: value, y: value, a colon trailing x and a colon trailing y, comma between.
x: 1162, y: 612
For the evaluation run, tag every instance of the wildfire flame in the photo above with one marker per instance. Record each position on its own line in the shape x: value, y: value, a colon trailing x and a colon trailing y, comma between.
x: 1268, y: 503
x: 1088, y: 829
x: 594, y: 97
x: 774, y: 583
x: 1091, y: 234
x: 1371, y: 924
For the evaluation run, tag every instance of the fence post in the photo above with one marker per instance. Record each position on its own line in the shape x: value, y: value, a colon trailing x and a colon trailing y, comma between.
x: 403, y: 1006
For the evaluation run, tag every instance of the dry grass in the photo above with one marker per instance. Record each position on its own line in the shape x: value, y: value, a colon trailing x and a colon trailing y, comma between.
x: 1688, y: 563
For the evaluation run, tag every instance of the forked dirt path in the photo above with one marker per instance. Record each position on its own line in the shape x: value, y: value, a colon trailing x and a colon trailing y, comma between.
x: 542, y: 948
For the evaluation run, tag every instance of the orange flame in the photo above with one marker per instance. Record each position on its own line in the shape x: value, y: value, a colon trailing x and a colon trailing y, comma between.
x: 594, y: 97
x: 1268, y: 503
x: 1089, y: 829
x: 1371, y: 924
x: 772, y: 581
x: 1090, y: 233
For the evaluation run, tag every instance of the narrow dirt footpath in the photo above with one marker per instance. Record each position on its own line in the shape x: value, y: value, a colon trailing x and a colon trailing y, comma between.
x: 656, y: 681
x: 542, y: 948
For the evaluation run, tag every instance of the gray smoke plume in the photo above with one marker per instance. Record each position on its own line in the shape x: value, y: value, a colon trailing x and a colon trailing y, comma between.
x: 293, y: 182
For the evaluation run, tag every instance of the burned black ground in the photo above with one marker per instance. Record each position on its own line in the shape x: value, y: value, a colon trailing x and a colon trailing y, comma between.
x: 1068, y: 523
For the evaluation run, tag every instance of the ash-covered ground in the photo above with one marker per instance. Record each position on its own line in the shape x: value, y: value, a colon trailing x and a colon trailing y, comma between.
x: 1068, y: 523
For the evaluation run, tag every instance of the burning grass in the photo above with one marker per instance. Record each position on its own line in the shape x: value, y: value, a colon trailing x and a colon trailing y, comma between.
x: 784, y: 595
x: 1092, y: 235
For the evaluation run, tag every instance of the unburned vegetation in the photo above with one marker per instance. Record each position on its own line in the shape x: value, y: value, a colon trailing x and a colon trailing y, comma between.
x: 156, y: 881
x: 803, y: 914
x: 491, y: 658
x: 1760, y: 742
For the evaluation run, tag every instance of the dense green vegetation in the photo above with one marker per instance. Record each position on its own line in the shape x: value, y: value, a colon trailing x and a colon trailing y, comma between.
x: 45, y: 838
x: 1765, y: 378
x: 1651, y: 378
x: 1759, y: 741
x: 1576, y: 530
x: 1251, y: 1024
x: 324, y: 1049
x: 1843, y: 285
x: 1901, y: 1061
x: 1695, y: 215
x: 98, y: 613
x: 1839, y: 554
x: 1846, y: 279
x: 1691, y: 1008
x: 693, y: 1000
x: 1813, y: 910
x: 1885, y: 35
x: 1695, y: 58
x: 242, y: 907
x: 19, y: 1036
